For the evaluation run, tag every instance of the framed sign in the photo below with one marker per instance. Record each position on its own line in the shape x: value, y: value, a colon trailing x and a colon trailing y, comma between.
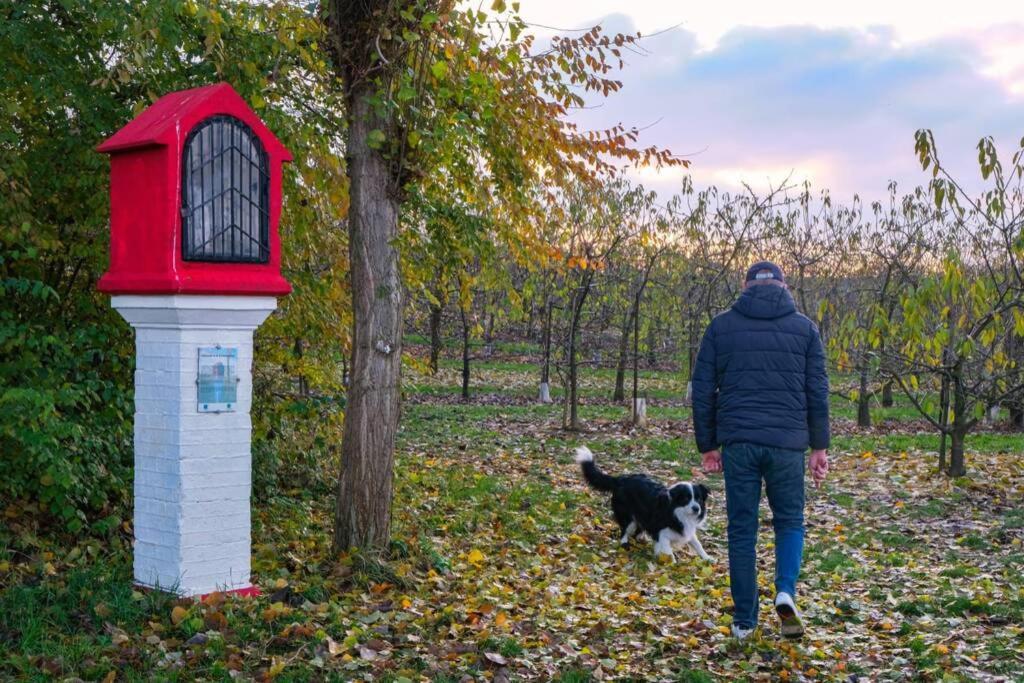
x: 217, y: 382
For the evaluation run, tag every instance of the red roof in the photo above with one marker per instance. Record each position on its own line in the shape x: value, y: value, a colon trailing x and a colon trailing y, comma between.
x: 158, y: 123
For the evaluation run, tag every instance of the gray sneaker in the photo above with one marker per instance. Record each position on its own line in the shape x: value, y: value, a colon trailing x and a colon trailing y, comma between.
x: 789, y: 615
x: 740, y: 633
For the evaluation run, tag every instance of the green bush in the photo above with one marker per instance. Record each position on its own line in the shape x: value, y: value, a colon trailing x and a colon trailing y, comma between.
x: 296, y: 443
x: 65, y: 408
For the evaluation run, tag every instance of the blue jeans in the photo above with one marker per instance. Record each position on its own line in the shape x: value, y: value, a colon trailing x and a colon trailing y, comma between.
x: 782, y: 470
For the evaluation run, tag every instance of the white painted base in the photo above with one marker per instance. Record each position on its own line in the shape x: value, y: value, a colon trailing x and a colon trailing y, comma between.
x: 193, y: 470
x: 640, y: 412
x: 689, y: 393
x: 545, y: 392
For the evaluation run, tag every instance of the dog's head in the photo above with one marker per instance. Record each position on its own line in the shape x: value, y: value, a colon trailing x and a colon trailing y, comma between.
x: 690, y: 501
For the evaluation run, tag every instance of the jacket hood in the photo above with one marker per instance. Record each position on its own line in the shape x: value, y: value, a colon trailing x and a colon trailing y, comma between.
x: 766, y: 302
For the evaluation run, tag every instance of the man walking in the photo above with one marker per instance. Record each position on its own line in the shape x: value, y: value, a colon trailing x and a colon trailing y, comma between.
x: 760, y: 399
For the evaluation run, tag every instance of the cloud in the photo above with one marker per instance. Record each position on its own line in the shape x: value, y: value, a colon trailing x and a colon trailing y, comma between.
x: 838, y: 106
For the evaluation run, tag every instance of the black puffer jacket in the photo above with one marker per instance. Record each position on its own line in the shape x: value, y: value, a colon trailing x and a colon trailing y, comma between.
x: 760, y: 376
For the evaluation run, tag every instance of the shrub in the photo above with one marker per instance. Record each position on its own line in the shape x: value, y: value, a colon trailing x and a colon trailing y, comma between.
x: 65, y: 408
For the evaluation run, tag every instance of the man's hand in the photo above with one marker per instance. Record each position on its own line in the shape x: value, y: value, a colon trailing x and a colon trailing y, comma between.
x: 819, y: 466
x: 712, y: 461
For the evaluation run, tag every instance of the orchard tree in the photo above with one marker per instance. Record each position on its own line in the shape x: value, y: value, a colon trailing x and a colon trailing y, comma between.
x: 957, y: 325
x: 882, y: 258
x: 639, y: 257
x: 596, y: 226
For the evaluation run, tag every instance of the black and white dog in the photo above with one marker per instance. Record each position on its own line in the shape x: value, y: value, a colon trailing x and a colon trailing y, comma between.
x: 670, y: 516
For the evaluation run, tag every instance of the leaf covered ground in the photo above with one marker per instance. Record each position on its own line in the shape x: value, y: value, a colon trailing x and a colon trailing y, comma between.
x: 504, y: 567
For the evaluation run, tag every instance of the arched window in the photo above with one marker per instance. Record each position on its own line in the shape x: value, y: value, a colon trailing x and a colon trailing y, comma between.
x: 225, y: 203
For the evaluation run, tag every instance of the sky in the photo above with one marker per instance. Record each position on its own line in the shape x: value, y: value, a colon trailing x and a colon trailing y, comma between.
x: 828, y: 92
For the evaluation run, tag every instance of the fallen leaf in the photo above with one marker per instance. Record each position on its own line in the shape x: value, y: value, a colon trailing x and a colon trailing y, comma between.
x: 495, y: 658
x: 178, y: 614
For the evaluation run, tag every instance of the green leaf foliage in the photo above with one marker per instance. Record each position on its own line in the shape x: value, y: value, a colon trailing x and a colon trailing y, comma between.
x: 74, y: 73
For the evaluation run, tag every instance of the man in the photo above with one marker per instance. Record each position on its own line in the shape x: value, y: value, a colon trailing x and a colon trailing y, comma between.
x: 760, y: 399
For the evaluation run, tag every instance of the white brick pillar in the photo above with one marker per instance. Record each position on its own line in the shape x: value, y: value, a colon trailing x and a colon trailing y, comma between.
x: 193, y: 470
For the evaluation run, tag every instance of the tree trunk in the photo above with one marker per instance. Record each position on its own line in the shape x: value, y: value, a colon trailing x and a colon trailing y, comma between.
x: 363, y: 512
x: 864, y: 400
x: 887, y: 399
x: 572, y: 417
x: 1017, y: 414
x: 572, y: 420
x: 301, y: 381
x: 943, y: 420
x: 620, y: 368
x: 636, y: 367
x: 957, y: 464
x: 436, y: 311
x: 545, y: 370
x: 465, y: 354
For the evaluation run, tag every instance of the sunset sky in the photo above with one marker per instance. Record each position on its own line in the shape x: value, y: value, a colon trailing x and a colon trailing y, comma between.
x: 830, y: 92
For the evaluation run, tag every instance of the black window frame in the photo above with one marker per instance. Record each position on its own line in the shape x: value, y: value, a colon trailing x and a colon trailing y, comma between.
x: 196, y: 252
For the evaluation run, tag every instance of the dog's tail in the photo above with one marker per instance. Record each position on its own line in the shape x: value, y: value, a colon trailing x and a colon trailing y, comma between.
x: 595, y: 477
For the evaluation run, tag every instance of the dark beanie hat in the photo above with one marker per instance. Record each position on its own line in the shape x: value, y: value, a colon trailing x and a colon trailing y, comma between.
x: 765, y: 270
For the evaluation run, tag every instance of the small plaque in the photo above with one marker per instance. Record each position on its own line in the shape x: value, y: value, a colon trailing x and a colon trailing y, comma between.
x: 218, y: 380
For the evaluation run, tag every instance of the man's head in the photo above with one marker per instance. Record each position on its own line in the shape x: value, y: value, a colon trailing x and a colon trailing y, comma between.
x: 764, y: 273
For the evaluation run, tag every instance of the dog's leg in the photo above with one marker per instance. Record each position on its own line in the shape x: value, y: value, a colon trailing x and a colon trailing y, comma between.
x: 663, y: 546
x: 629, y: 533
x: 699, y: 549
x: 624, y: 518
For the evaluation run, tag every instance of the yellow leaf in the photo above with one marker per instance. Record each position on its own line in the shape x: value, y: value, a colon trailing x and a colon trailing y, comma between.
x: 475, y: 557
x: 276, y: 667
x: 178, y: 615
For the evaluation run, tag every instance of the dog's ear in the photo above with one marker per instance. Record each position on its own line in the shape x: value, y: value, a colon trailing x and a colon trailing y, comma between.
x: 704, y: 491
x: 665, y: 498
